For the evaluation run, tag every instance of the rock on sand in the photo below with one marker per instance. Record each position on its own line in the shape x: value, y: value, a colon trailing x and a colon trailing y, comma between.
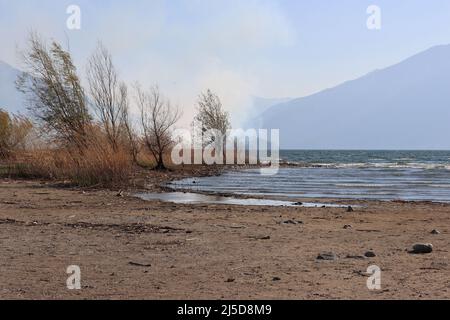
x: 422, y: 248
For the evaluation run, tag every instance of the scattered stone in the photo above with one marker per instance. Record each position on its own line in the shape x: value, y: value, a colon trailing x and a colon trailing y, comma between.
x: 136, y: 264
x: 350, y: 209
x: 329, y: 256
x: 348, y: 226
x: 261, y: 238
x: 355, y: 257
x: 292, y: 222
x: 435, y: 232
x: 119, y: 194
x: 422, y: 248
x: 298, y: 203
x: 276, y: 279
x: 229, y: 280
x: 370, y: 254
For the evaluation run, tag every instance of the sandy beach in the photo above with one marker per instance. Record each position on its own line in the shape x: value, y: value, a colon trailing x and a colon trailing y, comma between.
x: 128, y: 248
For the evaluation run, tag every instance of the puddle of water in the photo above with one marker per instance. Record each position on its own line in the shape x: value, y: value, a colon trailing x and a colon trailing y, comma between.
x: 195, y: 198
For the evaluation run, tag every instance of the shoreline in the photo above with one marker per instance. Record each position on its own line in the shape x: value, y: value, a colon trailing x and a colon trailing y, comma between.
x: 135, y: 249
x: 163, y: 187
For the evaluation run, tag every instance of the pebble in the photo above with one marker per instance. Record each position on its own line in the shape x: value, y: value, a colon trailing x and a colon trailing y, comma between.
x: 348, y: 226
x: 422, y: 248
x: 355, y: 257
x: 292, y: 222
x: 435, y: 232
x: 350, y: 209
x: 370, y: 254
x: 329, y: 256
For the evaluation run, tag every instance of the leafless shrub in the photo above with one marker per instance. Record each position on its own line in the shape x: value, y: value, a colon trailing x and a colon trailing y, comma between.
x: 107, y: 95
x: 54, y: 93
x: 157, y: 119
x: 211, y: 115
x: 131, y: 136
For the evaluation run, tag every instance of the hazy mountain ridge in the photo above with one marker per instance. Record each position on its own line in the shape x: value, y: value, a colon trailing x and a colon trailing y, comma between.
x: 405, y: 106
x: 259, y: 106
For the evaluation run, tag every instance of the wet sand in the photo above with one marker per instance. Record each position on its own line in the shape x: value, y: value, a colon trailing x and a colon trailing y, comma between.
x: 128, y: 248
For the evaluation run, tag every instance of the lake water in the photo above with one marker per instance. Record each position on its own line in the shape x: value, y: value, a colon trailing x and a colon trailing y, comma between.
x: 381, y: 175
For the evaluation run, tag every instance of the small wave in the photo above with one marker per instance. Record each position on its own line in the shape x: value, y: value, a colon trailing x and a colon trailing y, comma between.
x: 364, y: 185
x: 376, y: 165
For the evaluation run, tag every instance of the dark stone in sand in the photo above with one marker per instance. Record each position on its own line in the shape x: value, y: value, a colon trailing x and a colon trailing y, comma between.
x: 298, y: 203
x: 291, y: 222
x: 329, y: 256
x: 136, y: 264
x: 370, y: 254
x: 229, y: 280
x: 348, y: 226
x: 422, y: 248
x: 261, y: 238
x: 435, y: 232
x: 349, y: 209
x: 276, y: 279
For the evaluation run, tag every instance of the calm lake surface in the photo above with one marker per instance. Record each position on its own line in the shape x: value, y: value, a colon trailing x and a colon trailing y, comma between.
x: 381, y: 175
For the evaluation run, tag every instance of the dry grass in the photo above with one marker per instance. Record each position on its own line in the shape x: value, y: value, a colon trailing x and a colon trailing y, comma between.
x: 14, y: 130
x: 101, y: 167
x: 96, y: 166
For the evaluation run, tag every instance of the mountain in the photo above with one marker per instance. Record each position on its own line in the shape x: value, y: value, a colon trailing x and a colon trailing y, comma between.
x: 405, y: 106
x: 10, y: 99
x: 258, y: 106
x: 262, y: 104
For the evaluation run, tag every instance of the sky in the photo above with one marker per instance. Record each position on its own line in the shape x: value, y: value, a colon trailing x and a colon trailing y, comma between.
x: 239, y: 49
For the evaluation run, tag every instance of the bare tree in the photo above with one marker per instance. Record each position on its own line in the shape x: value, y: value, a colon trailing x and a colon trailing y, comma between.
x: 108, y: 96
x: 213, y: 121
x: 210, y: 114
x: 157, y: 119
x: 128, y: 128
x: 54, y: 92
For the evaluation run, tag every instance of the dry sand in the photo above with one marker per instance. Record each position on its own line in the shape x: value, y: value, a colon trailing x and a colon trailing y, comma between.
x: 131, y: 249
